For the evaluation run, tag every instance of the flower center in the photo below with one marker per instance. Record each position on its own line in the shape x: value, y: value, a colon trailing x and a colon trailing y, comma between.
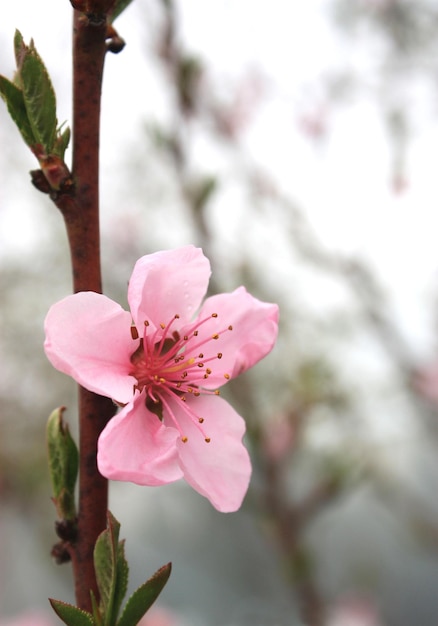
x: 168, y: 365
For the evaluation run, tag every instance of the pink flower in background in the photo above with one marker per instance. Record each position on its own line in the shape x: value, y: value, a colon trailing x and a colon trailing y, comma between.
x: 157, y: 616
x: 355, y: 611
x: 164, y: 365
x: 29, y: 618
x: 425, y: 381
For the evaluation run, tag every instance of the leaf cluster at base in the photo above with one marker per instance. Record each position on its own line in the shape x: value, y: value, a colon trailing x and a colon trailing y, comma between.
x: 112, y: 580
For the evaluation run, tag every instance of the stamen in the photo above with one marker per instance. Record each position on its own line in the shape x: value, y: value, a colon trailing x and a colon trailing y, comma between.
x: 169, y: 366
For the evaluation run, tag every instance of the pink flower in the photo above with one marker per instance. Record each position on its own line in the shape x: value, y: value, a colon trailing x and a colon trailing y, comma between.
x: 164, y: 365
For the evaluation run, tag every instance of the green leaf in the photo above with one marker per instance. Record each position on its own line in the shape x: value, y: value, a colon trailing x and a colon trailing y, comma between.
x: 96, y: 611
x: 20, y: 50
x: 111, y: 570
x: 121, y: 585
x: 63, y: 464
x: 71, y: 615
x: 14, y: 99
x: 143, y: 598
x: 39, y: 96
x: 119, y: 7
x: 61, y: 142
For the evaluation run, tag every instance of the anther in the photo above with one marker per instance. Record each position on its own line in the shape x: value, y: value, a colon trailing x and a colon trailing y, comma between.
x: 134, y: 332
x: 207, y: 440
x: 200, y: 364
x: 162, y: 326
x: 219, y: 355
x: 216, y: 336
x: 227, y: 376
x: 201, y: 420
x: 214, y: 315
x: 217, y: 392
x: 184, y: 439
x: 230, y: 327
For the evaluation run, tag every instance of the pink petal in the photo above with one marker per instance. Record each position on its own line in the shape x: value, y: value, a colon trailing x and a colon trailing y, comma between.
x: 135, y: 446
x: 168, y: 283
x: 88, y: 337
x: 255, y: 329
x: 219, y: 470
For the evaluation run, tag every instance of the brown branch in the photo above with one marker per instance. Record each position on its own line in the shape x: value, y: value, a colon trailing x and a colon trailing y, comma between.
x: 80, y: 208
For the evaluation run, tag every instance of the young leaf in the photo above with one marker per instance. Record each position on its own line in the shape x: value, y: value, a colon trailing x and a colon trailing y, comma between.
x: 111, y: 570
x: 63, y: 464
x: 121, y: 585
x: 61, y: 142
x: 39, y: 97
x: 105, y: 567
x: 20, y: 50
x: 96, y: 611
x: 14, y: 99
x: 143, y: 598
x: 71, y: 615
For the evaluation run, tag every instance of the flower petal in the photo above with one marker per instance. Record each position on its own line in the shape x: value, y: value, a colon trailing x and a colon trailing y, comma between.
x: 88, y: 337
x: 219, y: 470
x: 168, y: 283
x: 254, y: 331
x: 135, y: 446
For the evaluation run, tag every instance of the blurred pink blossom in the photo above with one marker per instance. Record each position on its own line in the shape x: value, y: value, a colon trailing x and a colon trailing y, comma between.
x: 354, y: 611
x: 164, y: 365
x: 158, y: 616
x: 426, y: 382
x: 278, y: 437
x: 29, y: 618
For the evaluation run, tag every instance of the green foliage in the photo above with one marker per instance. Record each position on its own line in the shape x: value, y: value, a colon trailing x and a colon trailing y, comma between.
x: 13, y: 96
x: 71, y: 615
x: 39, y: 95
x: 111, y: 570
x: 31, y: 102
x: 63, y: 464
x: 143, y: 598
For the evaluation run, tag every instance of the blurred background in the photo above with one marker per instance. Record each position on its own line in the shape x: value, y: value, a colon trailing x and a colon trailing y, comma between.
x: 296, y: 143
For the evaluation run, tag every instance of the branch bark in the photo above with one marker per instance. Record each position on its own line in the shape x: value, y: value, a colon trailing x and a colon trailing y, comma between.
x: 80, y: 209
